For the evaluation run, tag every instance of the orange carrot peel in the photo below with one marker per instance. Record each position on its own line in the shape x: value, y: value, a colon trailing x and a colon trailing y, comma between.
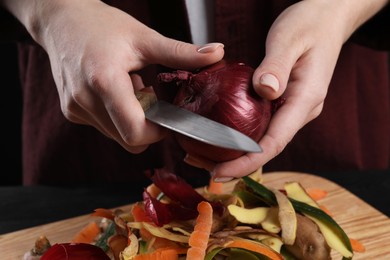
x: 166, y: 253
x: 215, y: 187
x: 316, y: 193
x: 104, y: 213
x: 357, y: 246
x: 200, y: 236
x: 87, y: 234
x: 254, y: 247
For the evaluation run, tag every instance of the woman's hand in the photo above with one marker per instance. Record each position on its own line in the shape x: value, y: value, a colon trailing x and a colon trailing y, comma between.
x: 302, y: 49
x: 92, y: 49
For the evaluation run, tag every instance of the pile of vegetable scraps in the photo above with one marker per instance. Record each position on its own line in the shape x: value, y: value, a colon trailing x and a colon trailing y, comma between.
x: 176, y: 221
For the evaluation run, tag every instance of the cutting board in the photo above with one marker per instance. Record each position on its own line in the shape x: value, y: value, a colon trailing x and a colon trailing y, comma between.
x: 358, y: 219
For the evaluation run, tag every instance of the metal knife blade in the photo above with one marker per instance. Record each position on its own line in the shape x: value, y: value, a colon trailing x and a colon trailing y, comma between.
x: 196, y: 126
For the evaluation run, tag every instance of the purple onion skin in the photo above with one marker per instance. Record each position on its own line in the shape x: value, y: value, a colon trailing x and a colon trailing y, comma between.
x: 222, y: 92
x: 75, y: 251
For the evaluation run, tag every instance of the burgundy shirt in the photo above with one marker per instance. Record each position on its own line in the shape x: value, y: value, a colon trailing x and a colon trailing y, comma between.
x: 352, y: 132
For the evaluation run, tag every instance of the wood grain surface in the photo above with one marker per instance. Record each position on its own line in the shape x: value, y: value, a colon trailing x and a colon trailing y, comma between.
x: 358, y: 219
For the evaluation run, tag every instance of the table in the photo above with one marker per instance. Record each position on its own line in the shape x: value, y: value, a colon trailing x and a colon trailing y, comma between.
x: 360, y: 220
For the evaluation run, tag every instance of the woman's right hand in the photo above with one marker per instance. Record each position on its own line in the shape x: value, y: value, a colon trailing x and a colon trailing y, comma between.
x: 93, y: 49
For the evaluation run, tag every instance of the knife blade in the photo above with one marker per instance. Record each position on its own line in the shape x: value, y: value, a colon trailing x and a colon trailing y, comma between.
x: 194, y: 125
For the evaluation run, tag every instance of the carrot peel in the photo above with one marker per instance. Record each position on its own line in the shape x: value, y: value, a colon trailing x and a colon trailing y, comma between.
x: 200, y: 236
x: 357, y: 246
x: 316, y: 193
x: 254, y: 247
x: 104, y: 213
x: 160, y: 254
x: 215, y: 187
x: 87, y: 234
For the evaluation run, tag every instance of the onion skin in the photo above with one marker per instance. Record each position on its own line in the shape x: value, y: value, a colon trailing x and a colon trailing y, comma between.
x: 75, y: 251
x: 184, y: 199
x: 222, y: 92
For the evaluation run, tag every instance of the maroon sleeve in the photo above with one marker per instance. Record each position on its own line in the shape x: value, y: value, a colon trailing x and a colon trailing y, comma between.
x: 375, y: 33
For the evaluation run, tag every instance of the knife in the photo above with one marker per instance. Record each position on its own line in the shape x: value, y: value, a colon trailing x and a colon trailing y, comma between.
x: 193, y: 125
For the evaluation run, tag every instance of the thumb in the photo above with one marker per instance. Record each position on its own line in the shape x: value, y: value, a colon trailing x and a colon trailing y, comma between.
x: 271, y: 77
x: 178, y: 54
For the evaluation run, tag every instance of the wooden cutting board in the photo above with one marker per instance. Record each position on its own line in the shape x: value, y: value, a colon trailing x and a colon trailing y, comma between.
x: 357, y: 218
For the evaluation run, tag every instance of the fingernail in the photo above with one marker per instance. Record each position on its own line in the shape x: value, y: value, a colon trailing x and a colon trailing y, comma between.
x: 209, y: 47
x: 270, y: 80
x: 223, y: 179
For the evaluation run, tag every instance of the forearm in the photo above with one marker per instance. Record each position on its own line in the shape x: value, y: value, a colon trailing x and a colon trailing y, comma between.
x: 10, y: 28
x: 21, y: 9
x: 35, y: 15
x: 354, y: 13
x: 25, y: 11
x: 360, y: 11
x: 374, y: 33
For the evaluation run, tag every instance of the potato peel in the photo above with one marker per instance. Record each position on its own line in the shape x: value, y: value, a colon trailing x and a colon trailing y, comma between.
x: 287, y: 218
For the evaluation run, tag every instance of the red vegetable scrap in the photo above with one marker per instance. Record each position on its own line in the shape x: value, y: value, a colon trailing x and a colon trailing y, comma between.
x: 162, y: 213
x: 74, y: 251
x: 176, y: 188
x: 224, y: 93
x: 156, y: 210
x: 184, y: 199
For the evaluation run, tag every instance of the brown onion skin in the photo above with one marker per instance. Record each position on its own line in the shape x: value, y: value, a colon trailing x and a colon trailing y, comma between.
x: 222, y: 92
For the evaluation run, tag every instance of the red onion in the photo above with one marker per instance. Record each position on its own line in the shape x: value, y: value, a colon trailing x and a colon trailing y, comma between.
x: 224, y: 93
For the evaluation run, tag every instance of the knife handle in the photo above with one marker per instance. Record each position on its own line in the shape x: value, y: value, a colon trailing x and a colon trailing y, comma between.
x: 146, y: 97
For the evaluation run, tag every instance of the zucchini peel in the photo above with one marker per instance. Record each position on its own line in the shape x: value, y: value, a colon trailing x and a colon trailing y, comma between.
x: 333, y: 233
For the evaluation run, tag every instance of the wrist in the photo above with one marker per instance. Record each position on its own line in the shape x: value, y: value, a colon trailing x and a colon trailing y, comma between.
x: 36, y: 15
x: 23, y: 10
x: 357, y: 12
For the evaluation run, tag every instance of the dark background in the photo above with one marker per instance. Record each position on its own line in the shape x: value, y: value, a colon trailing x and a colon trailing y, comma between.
x: 11, y: 111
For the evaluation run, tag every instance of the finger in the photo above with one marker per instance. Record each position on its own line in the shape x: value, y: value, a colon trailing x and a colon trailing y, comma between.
x: 271, y: 77
x: 78, y: 108
x: 237, y: 168
x: 93, y: 111
x: 181, y: 55
x: 126, y: 112
x: 104, y: 124
x: 199, y: 162
x: 82, y: 117
x: 86, y: 108
x: 285, y: 123
x: 88, y: 115
x: 137, y: 81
